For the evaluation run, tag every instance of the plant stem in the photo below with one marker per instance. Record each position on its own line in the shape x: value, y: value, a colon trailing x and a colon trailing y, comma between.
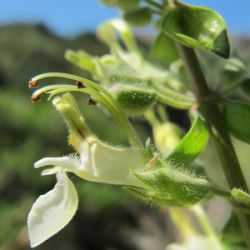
x: 212, y: 114
x: 210, y: 110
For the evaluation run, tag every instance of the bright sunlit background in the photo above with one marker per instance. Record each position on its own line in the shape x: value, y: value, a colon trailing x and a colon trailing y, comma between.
x: 70, y: 17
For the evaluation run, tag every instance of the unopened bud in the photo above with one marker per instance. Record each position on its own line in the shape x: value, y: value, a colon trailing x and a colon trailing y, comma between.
x: 134, y: 100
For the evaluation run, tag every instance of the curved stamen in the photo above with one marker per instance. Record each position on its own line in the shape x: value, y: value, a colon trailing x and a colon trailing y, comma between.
x: 100, y: 94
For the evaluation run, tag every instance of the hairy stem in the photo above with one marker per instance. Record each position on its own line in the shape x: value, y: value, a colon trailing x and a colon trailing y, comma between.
x: 210, y: 110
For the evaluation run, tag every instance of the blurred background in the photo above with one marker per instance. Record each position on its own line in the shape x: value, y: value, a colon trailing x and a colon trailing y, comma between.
x: 33, y: 38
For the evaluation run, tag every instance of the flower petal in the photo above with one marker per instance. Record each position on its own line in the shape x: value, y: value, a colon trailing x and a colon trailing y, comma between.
x: 68, y: 164
x: 113, y: 165
x: 52, y: 211
x: 64, y: 162
x: 100, y: 162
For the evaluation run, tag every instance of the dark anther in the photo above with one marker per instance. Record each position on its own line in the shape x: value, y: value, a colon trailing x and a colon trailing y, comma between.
x: 91, y: 101
x: 33, y: 84
x: 35, y: 98
x: 80, y: 85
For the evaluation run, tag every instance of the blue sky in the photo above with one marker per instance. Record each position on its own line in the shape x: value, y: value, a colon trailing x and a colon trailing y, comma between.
x: 68, y: 17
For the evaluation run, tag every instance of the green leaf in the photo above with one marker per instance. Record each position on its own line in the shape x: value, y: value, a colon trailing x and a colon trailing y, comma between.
x: 237, y: 117
x: 197, y: 27
x: 139, y: 17
x: 164, y: 49
x: 191, y: 145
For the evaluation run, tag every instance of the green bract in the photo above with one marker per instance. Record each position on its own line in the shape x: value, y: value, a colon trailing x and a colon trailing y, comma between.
x: 191, y: 145
x: 197, y: 27
x: 139, y: 17
x: 237, y: 117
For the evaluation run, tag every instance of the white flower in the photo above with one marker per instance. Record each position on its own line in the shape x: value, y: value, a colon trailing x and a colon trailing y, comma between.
x: 95, y: 161
x: 98, y: 162
x: 52, y: 211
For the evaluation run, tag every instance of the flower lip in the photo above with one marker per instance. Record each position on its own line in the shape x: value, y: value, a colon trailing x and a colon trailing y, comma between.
x: 62, y: 162
x: 52, y: 211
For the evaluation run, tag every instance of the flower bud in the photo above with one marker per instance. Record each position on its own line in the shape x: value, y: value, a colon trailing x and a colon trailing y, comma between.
x: 132, y: 99
x: 166, y: 136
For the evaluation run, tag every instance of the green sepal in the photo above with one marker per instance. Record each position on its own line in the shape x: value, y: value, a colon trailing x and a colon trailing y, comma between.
x: 154, y: 197
x: 197, y: 27
x: 132, y: 99
x: 81, y: 59
x: 191, y: 145
x: 237, y: 117
x: 164, y: 49
x: 167, y: 185
x: 138, y: 17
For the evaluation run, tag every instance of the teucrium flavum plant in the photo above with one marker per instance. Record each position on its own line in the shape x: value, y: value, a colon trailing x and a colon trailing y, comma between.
x: 127, y: 84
